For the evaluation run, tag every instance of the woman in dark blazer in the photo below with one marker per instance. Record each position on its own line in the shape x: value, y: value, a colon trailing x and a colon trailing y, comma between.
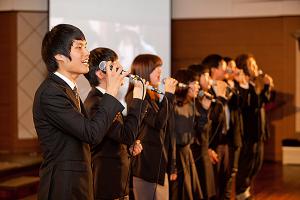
x: 63, y: 129
x: 187, y: 186
x: 200, y: 147
x: 157, y: 160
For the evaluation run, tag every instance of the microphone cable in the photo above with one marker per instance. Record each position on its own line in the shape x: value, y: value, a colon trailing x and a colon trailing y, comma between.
x: 138, y: 127
x: 209, y: 142
x: 162, y: 146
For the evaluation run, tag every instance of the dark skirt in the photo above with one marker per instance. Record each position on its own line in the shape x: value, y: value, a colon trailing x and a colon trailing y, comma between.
x: 187, y: 186
x: 205, y: 170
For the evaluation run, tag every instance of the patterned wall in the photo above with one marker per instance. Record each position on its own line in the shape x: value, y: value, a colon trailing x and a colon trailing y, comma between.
x: 31, y: 27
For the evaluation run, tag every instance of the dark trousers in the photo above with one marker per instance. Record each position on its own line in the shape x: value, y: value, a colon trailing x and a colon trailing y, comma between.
x: 250, y: 163
x: 222, y: 172
x: 234, y: 155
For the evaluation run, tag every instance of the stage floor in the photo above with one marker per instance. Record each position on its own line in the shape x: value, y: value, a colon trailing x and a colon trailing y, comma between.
x: 278, y: 182
x: 274, y: 182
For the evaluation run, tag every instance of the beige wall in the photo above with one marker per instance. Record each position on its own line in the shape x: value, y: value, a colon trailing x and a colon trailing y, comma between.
x: 20, y: 75
x: 31, y: 27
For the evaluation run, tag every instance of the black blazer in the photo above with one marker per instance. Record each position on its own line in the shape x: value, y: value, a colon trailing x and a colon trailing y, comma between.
x: 253, y: 111
x: 110, y: 158
x: 218, y: 123
x: 158, y: 141
x: 235, y: 132
x: 64, y: 134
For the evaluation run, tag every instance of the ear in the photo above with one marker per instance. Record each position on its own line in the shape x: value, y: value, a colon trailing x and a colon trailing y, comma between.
x: 60, y: 58
x: 100, y: 74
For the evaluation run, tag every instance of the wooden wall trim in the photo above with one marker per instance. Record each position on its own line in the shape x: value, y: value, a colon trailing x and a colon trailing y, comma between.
x: 8, y: 79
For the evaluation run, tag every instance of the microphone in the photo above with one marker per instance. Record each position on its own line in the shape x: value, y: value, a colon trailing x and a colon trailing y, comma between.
x: 209, y: 96
x: 180, y: 85
x: 102, y: 67
x: 149, y: 87
x: 230, y: 71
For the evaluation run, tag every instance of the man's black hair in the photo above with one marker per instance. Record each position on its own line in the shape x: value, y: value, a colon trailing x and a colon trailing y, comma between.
x: 59, y: 41
x: 96, y: 56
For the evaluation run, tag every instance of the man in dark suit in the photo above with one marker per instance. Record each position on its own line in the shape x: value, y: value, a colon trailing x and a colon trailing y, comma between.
x: 62, y: 126
x: 110, y: 158
x: 220, y: 119
x: 255, y: 92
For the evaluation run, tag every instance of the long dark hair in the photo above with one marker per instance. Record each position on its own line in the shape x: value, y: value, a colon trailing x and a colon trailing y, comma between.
x: 185, y: 76
x: 142, y: 66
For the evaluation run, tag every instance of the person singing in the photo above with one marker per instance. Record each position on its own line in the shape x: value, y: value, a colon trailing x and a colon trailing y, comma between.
x: 110, y: 158
x: 157, y: 160
x: 200, y: 147
x: 63, y: 129
x: 187, y: 186
x: 255, y: 90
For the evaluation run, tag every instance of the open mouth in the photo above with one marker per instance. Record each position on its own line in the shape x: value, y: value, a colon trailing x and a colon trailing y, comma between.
x: 85, y: 61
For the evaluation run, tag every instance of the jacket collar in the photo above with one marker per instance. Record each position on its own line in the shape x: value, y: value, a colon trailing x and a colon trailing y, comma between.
x: 67, y: 89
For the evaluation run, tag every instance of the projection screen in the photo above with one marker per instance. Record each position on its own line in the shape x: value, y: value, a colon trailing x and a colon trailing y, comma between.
x: 129, y: 27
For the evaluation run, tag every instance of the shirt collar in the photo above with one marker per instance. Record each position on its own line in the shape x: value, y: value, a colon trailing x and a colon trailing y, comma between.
x: 101, y: 89
x: 68, y: 81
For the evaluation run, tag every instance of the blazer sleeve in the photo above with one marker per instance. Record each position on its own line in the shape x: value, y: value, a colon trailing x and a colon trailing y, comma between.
x: 265, y: 95
x: 200, y: 121
x: 217, y: 117
x: 59, y: 110
x: 126, y: 133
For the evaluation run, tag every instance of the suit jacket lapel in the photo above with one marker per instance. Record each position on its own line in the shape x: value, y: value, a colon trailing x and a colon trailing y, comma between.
x: 66, y: 88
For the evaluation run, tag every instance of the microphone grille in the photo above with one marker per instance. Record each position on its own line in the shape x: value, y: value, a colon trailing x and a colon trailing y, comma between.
x: 201, y: 93
x: 102, y: 66
x: 182, y: 85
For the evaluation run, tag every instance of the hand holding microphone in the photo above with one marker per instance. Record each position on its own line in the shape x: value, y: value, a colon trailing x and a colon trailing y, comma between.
x: 114, y: 78
x: 138, y: 90
x: 263, y: 79
x: 220, y: 88
x: 106, y: 66
x: 268, y: 80
x: 170, y: 85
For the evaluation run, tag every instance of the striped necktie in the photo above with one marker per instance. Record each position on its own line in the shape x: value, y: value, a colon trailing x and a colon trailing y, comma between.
x: 77, y: 98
